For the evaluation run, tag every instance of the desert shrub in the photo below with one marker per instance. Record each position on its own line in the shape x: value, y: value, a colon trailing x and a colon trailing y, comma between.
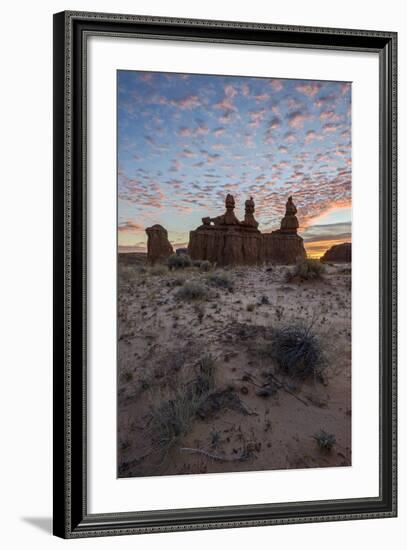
x: 221, y: 280
x: 325, y: 440
x: 250, y: 307
x: 205, y: 381
x: 297, y: 351
x: 171, y: 420
x: 205, y: 265
x: 179, y: 261
x: 192, y: 290
x: 308, y: 270
x: 158, y: 270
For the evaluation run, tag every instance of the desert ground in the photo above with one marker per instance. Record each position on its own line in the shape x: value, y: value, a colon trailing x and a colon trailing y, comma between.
x: 202, y: 384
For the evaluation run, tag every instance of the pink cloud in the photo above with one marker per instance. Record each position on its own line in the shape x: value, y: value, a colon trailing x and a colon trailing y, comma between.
x: 187, y: 102
x: 262, y: 97
x: 256, y: 117
x: 188, y: 153
x: 130, y: 227
x: 274, y: 123
x: 309, y: 90
x: 330, y: 127
x: 218, y: 131
x: 289, y: 137
x: 297, y: 119
x: 225, y: 104
x: 310, y: 135
x: 230, y: 91
x: 277, y: 85
x: 201, y: 129
x: 183, y: 131
x: 330, y: 115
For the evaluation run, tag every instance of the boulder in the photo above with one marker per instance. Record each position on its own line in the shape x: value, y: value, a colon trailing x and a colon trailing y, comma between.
x: 158, y: 246
x: 338, y: 253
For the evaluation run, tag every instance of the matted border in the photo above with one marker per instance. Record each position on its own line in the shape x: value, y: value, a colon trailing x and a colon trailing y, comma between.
x: 70, y: 469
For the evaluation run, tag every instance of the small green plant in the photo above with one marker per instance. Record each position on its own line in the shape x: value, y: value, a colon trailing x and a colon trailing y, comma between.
x: 179, y: 261
x: 325, y: 440
x: 308, y: 270
x: 221, y: 280
x: 192, y: 290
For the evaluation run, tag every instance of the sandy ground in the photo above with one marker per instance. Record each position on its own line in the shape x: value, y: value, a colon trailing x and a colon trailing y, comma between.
x: 162, y: 340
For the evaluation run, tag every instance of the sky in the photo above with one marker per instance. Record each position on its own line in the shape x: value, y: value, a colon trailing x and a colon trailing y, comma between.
x: 186, y: 140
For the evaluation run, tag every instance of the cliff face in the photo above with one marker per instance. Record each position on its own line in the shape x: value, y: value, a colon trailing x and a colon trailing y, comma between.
x: 240, y: 246
x: 158, y: 246
x: 338, y: 253
x: 226, y: 245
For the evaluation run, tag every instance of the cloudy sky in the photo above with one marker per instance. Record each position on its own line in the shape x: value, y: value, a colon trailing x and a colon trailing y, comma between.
x: 185, y: 141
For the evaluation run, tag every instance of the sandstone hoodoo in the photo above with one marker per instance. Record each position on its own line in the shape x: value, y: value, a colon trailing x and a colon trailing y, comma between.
x: 159, y: 247
x: 338, y: 253
x: 284, y: 246
x: 224, y: 240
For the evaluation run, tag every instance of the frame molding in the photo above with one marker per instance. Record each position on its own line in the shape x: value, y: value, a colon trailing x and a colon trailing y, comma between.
x: 71, y: 519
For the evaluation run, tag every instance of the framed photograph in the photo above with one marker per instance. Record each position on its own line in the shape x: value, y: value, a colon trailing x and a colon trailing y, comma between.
x: 224, y: 274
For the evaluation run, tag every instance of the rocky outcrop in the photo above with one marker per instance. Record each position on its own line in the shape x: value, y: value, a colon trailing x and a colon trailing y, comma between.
x: 289, y: 224
x: 284, y: 246
x: 228, y: 241
x: 158, y: 246
x: 279, y: 248
x: 225, y: 240
x: 338, y: 253
x: 226, y: 245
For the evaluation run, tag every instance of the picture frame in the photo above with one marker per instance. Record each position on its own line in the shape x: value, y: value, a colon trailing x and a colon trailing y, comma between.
x: 71, y: 32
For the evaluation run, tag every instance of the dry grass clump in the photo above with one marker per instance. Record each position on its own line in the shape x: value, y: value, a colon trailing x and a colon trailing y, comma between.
x: 308, y: 270
x: 297, y: 351
x: 192, y: 290
x: 170, y: 421
x: 221, y: 280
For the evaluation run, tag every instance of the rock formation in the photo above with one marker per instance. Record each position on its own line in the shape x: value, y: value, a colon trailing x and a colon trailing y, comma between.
x: 158, y: 246
x: 225, y: 240
x: 249, y: 214
x: 338, y: 253
x: 285, y: 246
x: 289, y: 224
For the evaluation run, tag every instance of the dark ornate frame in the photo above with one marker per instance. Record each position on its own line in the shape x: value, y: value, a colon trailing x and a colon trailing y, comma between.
x: 71, y: 518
